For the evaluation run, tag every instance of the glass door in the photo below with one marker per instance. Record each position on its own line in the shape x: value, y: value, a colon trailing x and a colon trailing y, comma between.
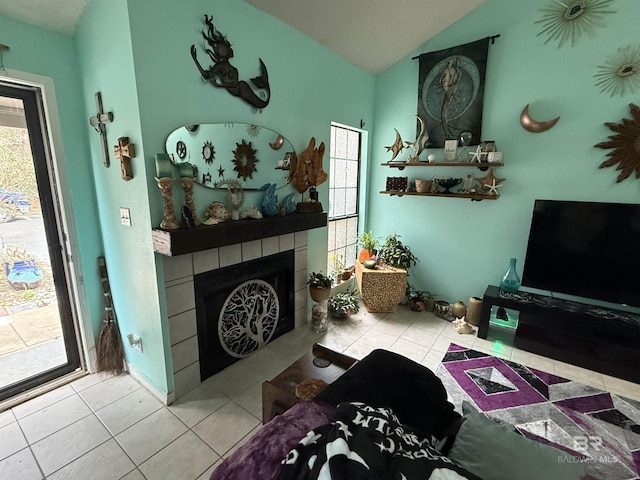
x: 38, y: 341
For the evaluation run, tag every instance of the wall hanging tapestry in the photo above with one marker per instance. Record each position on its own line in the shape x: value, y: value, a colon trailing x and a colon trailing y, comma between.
x: 451, y: 90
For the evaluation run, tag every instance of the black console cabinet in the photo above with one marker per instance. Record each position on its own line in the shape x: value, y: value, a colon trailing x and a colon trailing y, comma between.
x: 597, y: 338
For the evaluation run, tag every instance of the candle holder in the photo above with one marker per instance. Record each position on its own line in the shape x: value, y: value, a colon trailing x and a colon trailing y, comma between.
x: 187, y: 186
x: 168, y: 214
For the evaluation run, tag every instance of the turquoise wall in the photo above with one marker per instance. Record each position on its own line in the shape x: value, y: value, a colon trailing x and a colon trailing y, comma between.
x: 464, y: 246
x: 49, y: 54
x: 138, y: 55
x: 105, y: 54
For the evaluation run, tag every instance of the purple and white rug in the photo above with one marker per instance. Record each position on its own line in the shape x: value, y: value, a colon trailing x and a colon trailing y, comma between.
x: 600, y: 427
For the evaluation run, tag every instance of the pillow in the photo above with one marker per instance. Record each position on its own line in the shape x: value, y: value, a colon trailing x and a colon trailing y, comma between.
x: 494, y: 452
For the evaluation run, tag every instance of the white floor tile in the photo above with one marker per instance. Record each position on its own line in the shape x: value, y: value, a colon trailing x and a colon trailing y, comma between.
x: 151, y: 434
x: 11, y: 440
x: 105, y: 462
x: 134, y: 475
x: 20, y: 466
x: 6, y: 418
x: 124, y: 412
x: 64, y: 446
x: 359, y: 350
x: 409, y: 349
x: 52, y: 418
x: 251, y: 400
x: 377, y: 338
x: 226, y: 427
x: 42, y: 401
x: 198, y: 404
x: 109, y: 390
x: 235, y: 379
x: 426, y: 338
x: 186, y: 458
x: 85, y: 382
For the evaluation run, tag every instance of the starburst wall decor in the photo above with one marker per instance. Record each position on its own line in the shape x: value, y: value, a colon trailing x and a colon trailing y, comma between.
x: 620, y: 73
x: 569, y: 20
x: 625, y: 145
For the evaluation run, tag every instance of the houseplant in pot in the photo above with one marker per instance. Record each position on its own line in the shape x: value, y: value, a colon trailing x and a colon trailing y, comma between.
x: 343, y: 304
x: 319, y: 286
x: 369, y: 244
x: 394, y: 253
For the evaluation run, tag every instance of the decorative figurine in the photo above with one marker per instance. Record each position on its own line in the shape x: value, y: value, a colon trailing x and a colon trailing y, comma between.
x: 168, y: 222
x: 269, y: 204
x: 397, y: 146
x: 124, y: 152
x: 235, y: 196
x: 223, y: 74
x: 420, y: 144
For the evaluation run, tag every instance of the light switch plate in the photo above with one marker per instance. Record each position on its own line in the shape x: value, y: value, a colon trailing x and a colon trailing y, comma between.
x: 125, y: 218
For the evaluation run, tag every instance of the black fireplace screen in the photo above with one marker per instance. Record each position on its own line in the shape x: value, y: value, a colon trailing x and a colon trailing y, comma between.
x: 241, y: 308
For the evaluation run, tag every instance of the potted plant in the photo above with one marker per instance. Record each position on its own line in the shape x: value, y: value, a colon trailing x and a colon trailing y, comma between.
x: 343, y: 304
x: 340, y: 271
x: 369, y: 244
x: 394, y: 253
x: 319, y: 286
x: 417, y: 300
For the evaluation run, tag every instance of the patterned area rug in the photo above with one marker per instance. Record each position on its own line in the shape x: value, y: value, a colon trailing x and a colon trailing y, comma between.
x: 601, y: 428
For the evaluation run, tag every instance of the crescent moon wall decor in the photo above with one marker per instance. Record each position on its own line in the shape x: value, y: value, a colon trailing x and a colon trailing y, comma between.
x: 535, y: 126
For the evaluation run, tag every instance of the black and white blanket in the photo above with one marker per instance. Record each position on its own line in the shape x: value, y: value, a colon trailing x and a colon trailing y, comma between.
x: 366, y: 443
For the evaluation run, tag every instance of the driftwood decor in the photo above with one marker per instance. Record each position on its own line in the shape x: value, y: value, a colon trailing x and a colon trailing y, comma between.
x: 306, y: 170
x: 124, y: 152
x: 223, y: 74
x: 625, y: 154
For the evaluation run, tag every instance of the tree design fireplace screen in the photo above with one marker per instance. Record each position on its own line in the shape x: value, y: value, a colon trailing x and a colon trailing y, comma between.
x: 241, y: 308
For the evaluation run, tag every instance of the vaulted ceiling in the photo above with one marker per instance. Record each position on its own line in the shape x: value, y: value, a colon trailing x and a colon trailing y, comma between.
x: 372, y: 34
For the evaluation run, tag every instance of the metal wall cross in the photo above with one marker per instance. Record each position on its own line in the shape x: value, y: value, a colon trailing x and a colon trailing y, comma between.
x: 99, y: 122
x: 124, y: 152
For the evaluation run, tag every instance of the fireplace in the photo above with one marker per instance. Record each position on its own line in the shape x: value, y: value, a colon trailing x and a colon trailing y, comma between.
x: 181, y: 272
x: 241, y: 308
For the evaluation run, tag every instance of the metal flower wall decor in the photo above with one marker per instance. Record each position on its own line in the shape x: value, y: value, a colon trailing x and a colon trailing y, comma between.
x: 620, y: 73
x: 625, y: 145
x: 564, y: 21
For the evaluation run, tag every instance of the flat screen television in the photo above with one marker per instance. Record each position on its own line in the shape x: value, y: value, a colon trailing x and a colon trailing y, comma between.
x: 586, y: 249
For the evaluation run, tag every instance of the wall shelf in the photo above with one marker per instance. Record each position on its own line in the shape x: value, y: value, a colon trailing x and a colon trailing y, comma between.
x: 482, y: 166
x: 472, y: 196
x: 204, y: 237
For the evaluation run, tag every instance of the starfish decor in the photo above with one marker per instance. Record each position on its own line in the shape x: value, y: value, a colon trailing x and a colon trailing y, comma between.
x: 626, y: 145
x: 491, y: 182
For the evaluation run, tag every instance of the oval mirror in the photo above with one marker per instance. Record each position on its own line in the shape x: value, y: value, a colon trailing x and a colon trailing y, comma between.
x: 252, y: 154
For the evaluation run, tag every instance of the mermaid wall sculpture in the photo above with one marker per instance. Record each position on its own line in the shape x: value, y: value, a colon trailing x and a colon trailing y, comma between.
x: 223, y: 74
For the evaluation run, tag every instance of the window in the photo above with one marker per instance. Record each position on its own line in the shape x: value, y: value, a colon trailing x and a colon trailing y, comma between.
x: 344, y: 157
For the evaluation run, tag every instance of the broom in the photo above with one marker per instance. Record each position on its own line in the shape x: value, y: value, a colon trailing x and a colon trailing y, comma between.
x: 110, y: 351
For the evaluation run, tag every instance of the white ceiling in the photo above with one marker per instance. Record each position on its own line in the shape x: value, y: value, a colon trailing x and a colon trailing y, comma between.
x: 372, y: 34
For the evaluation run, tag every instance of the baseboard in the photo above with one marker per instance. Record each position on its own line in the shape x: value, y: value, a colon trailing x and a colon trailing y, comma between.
x: 166, y: 398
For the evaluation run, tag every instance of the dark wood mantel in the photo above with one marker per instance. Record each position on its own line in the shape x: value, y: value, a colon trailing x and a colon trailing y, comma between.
x: 204, y: 237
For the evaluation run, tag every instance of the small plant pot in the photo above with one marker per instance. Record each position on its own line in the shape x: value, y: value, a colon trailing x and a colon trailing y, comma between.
x: 337, y: 313
x: 319, y: 295
x: 429, y: 304
x: 416, y: 305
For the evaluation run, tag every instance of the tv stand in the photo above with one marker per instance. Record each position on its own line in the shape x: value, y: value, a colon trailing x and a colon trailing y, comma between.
x: 593, y: 337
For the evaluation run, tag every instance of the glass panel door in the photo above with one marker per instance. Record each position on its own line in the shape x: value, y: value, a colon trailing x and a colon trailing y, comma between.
x: 37, y: 335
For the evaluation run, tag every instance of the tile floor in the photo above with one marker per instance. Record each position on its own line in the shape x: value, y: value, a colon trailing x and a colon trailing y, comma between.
x: 112, y: 428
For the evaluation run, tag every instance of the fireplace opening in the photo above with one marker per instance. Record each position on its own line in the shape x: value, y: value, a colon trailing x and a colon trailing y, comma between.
x: 241, y: 308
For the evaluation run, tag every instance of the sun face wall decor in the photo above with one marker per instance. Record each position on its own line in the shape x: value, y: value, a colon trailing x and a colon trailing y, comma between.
x: 566, y: 21
x: 625, y: 145
x: 620, y: 73
x: 244, y: 159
